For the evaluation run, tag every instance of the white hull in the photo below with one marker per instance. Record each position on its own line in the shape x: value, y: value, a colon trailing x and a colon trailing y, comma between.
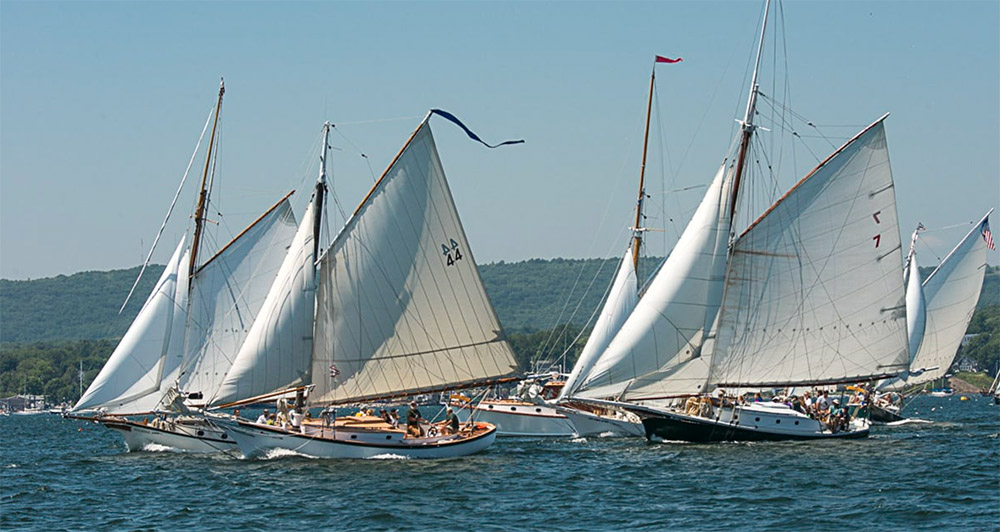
x: 188, y: 437
x: 519, y: 419
x: 591, y: 424
x: 258, y: 440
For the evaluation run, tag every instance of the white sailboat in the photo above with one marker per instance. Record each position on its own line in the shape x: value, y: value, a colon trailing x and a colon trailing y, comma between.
x: 808, y: 295
x: 938, y: 313
x: 400, y: 310
x: 181, y: 342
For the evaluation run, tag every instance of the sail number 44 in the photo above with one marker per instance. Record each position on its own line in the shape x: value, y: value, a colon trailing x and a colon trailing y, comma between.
x: 451, y: 251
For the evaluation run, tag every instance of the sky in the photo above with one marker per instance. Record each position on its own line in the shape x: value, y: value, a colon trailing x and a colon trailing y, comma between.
x: 102, y: 103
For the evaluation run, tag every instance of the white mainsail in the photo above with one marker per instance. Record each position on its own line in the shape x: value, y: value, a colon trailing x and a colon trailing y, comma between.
x: 951, y: 293
x: 144, y: 363
x: 400, y: 305
x: 226, y: 295
x: 813, y: 292
x: 622, y: 299
x: 668, y: 324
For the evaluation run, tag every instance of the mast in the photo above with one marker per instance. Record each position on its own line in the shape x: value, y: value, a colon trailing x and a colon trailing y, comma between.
x: 636, y: 230
x: 913, y: 249
x: 199, y: 213
x: 747, y: 123
x: 320, y: 188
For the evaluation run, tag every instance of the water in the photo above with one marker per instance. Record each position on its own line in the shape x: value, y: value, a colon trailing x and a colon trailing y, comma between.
x: 61, y: 474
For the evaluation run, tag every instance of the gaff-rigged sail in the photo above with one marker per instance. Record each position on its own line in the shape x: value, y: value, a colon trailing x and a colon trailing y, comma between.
x: 622, y: 298
x: 227, y: 293
x: 145, y: 362
x: 668, y: 324
x: 951, y: 293
x: 400, y: 305
x: 813, y: 292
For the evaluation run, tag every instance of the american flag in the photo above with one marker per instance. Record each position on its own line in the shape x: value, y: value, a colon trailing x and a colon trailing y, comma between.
x: 334, y: 371
x: 988, y: 236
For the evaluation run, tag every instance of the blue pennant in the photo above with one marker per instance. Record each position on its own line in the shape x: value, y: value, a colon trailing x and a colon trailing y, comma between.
x: 473, y: 136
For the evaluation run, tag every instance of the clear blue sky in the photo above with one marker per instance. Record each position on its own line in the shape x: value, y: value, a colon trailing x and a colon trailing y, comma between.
x: 102, y: 103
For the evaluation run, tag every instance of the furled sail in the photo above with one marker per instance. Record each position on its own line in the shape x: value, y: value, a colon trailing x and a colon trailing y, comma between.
x: 951, y: 293
x: 277, y: 351
x: 400, y: 305
x: 622, y: 298
x: 668, y: 324
x: 916, y: 318
x: 813, y: 290
x: 227, y: 293
x: 144, y: 363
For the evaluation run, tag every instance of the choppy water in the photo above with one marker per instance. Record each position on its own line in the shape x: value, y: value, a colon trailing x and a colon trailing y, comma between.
x: 58, y: 474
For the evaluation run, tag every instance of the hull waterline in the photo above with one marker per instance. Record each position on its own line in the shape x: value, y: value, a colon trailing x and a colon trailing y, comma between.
x: 519, y: 419
x: 192, y: 438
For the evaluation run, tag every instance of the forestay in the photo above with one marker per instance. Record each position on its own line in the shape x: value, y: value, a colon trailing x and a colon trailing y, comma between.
x: 622, y: 298
x: 951, y: 293
x: 227, y: 293
x: 667, y: 327
x: 277, y: 351
x: 400, y: 305
x: 813, y: 289
x: 145, y: 362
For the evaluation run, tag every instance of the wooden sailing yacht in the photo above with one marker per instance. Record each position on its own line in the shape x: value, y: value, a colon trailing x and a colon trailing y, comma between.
x: 399, y: 310
x: 181, y: 343
x: 939, y: 311
x: 808, y: 295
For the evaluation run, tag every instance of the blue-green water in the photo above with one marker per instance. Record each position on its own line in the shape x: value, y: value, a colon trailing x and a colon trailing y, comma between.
x: 61, y: 474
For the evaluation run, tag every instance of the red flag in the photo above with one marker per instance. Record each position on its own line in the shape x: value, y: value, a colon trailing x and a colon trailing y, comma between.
x: 661, y: 59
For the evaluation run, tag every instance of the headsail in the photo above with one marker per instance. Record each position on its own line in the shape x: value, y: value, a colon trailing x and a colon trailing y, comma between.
x: 144, y: 363
x: 951, y: 293
x: 668, y: 325
x: 400, y: 306
x: 813, y: 292
x: 622, y: 298
x: 226, y: 294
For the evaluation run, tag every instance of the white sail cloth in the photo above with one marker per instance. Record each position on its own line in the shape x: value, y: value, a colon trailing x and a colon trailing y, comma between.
x: 622, y: 298
x: 668, y: 324
x: 277, y: 351
x: 916, y: 310
x: 400, y: 305
x: 145, y: 362
x: 813, y: 288
x: 227, y: 293
x: 951, y: 293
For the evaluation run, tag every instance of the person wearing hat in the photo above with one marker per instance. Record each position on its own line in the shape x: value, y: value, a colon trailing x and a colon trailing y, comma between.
x: 413, y: 419
x: 262, y: 419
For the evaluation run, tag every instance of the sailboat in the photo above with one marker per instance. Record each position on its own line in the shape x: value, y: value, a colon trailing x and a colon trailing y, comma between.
x: 809, y: 294
x: 399, y: 310
x: 180, y: 344
x: 938, y: 314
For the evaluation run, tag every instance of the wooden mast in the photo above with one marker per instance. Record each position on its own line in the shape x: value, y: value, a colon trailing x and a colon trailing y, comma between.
x: 199, y: 212
x: 320, y: 188
x: 636, y: 230
x: 748, y: 127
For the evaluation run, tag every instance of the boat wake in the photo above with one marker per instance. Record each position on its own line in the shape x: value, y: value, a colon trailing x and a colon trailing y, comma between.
x: 908, y: 421
x: 387, y: 456
x: 274, y: 454
x: 158, y: 448
x: 579, y: 439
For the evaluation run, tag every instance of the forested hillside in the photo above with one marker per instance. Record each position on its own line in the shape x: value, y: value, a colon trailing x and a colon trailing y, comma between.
x: 48, y: 326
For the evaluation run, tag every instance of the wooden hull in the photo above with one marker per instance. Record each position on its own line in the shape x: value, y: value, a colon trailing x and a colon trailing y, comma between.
x: 592, y: 424
x: 519, y: 419
x: 260, y: 440
x: 191, y: 437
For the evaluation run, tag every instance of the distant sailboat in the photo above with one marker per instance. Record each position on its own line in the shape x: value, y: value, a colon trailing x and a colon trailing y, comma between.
x: 939, y: 311
x: 187, y: 331
x: 400, y: 310
x: 808, y: 295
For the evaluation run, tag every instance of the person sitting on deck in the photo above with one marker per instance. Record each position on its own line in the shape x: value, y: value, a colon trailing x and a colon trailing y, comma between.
x: 413, y: 419
x: 838, y: 417
x: 382, y: 413
x: 394, y: 418
x: 262, y: 419
x: 450, y: 423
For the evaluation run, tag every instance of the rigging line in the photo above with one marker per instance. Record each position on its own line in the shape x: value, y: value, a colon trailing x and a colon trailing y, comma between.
x: 169, y: 210
x: 380, y: 120
x: 357, y: 149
